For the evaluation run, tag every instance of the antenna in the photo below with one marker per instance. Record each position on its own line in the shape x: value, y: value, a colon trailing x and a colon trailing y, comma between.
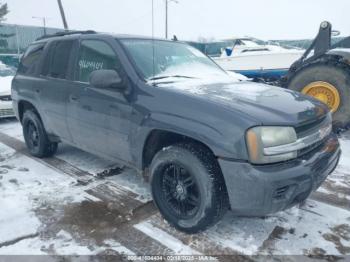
x: 153, y: 51
x: 166, y: 15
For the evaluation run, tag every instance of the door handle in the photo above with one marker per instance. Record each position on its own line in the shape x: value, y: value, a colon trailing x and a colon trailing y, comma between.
x: 86, y: 107
x: 74, y: 98
x: 115, y: 107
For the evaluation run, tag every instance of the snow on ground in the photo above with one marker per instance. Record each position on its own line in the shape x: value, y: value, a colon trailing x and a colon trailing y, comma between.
x: 165, y: 238
x: 90, y: 163
x: 46, y: 211
x: 27, y: 185
x: 297, y: 231
x: 62, y: 244
x: 338, y: 183
x: 12, y: 128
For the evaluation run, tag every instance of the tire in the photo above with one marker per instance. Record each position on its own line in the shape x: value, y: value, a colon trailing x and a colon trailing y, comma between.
x: 205, y: 198
x: 337, y: 76
x: 35, y: 136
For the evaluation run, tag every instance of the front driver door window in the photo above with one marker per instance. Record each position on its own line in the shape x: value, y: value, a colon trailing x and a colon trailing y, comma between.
x: 95, y: 55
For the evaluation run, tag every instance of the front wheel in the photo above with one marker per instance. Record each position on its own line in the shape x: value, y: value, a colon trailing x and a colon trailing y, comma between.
x: 188, y: 187
x: 35, y: 136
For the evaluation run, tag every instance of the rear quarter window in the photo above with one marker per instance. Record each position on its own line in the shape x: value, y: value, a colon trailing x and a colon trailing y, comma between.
x: 31, y: 59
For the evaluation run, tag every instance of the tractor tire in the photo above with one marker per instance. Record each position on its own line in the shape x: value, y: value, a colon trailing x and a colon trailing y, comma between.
x: 320, y: 80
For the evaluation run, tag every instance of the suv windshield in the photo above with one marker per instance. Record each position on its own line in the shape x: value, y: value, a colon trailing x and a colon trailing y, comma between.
x: 171, y: 59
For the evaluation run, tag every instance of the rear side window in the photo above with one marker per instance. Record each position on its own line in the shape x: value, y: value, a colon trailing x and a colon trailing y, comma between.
x: 58, y: 59
x: 60, y: 55
x: 31, y: 59
x: 95, y: 55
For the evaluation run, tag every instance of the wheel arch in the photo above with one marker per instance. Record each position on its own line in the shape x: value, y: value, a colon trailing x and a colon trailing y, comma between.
x: 161, y: 138
x: 24, y: 105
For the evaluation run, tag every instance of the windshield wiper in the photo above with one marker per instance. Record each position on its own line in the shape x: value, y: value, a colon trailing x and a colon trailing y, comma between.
x: 170, y: 76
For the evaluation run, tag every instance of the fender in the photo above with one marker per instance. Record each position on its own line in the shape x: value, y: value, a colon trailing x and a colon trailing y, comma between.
x: 28, y: 94
x: 212, y: 137
x: 341, y: 52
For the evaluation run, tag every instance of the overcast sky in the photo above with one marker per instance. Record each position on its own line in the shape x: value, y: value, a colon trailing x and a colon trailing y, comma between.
x: 189, y: 19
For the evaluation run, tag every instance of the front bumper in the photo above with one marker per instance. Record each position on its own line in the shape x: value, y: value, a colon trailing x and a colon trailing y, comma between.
x: 260, y: 190
x: 6, y: 109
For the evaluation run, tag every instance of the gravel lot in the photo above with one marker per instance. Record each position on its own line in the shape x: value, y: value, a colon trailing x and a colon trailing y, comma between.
x: 79, y: 204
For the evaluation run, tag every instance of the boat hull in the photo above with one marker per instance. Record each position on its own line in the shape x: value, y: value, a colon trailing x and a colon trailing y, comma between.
x: 260, y: 64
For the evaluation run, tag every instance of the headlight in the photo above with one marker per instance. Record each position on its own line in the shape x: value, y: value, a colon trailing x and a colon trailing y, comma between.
x: 264, y: 137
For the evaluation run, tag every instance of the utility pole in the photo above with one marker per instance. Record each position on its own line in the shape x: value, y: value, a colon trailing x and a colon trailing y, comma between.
x: 18, y: 47
x: 166, y: 16
x: 44, y: 21
x: 166, y: 19
x: 63, y: 15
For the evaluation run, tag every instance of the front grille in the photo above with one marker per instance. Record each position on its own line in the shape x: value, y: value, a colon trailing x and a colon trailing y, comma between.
x: 310, y: 128
x: 6, y: 112
x: 5, y: 98
x: 308, y: 149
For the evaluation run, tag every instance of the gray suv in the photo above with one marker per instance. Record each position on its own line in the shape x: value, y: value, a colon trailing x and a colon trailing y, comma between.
x: 207, y: 141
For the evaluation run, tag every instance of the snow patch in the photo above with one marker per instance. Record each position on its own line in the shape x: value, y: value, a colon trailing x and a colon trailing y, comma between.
x: 5, y: 85
x: 165, y: 239
x: 116, y: 246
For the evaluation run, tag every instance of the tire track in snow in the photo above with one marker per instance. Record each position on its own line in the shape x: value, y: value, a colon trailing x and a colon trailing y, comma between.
x: 199, y: 242
x: 52, y: 162
x: 162, y: 237
x: 331, y: 199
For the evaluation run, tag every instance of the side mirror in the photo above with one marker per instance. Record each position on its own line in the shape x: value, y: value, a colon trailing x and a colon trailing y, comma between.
x: 106, y: 79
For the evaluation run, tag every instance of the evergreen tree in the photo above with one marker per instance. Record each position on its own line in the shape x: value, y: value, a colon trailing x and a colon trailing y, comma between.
x: 3, y: 11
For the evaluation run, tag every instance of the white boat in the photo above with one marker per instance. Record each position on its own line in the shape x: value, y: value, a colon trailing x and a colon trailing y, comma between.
x: 249, y: 57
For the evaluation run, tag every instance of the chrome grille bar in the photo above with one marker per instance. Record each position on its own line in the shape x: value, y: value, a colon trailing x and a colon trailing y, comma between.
x: 300, y: 143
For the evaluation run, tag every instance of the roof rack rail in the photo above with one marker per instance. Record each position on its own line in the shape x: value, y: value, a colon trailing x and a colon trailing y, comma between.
x: 64, y: 33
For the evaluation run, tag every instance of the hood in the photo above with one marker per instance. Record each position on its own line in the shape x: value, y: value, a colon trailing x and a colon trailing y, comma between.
x: 267, y: 104
x: 5, y: 85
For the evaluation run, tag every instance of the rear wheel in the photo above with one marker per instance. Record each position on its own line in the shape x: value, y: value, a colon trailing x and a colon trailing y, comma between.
x: 35, y: 136
x: 188, y: 187
x: 329, y: 84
